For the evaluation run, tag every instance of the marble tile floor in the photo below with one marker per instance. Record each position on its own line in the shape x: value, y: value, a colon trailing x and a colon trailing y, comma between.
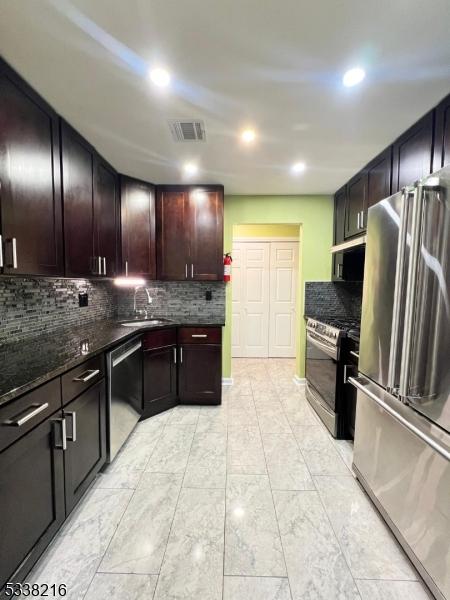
x: 251, y: 500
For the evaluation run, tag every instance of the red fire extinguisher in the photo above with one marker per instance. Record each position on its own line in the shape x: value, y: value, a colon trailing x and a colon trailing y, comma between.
x: 227, y: 260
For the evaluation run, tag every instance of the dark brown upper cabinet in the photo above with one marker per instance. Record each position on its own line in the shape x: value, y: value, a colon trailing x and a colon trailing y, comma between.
x: 413, y: 153
x: 379, y: 179
x: 442, y: 135
x: 172, y: 223
x: 340, y: 201
x: 30, y: 187
x: 78, y: 197
x: 189, y: 225
x: 106, y: 217
x: 206, y: 233
x: 356, y: 202
x: 91, y: 208
x: 138, y: 228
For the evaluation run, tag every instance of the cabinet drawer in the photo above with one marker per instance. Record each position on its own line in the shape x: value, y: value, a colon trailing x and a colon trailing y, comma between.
x: 21, y: 415
x: 159, y: 339
x: 200, y: 335
x: 80, y: 378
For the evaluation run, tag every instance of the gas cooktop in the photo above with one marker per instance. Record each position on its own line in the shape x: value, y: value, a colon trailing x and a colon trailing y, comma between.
x: 344, y: 325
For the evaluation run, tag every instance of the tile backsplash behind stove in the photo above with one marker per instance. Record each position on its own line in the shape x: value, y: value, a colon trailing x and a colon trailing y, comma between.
x: 32, y: 305
x: 328, y: 298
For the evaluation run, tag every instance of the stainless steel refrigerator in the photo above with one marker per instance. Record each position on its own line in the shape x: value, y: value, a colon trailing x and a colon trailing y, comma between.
x: 402, y: 431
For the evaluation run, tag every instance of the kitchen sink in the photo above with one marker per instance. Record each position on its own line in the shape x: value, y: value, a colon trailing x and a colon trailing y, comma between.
x: 146, y: 323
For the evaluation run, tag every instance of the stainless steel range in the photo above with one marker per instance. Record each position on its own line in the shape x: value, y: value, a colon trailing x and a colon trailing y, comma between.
x: 327, y: 370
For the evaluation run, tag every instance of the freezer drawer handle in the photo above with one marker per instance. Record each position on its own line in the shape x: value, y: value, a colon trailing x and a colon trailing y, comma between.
x: 87, y: 375
x: 35, y: 410
x: 412, y: 428
x: 126, y: 354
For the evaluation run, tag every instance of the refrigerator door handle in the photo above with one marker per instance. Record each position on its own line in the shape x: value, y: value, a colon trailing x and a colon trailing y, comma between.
x: 417, y: 217
x: 399, y: 282
x: 400, y: 418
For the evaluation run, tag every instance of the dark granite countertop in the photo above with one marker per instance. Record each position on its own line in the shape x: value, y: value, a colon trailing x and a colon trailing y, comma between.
x: 30, y: 362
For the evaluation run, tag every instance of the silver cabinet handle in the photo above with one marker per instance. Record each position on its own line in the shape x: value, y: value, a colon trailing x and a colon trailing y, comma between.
x: 345, y: 372
x: 340, y: 267
x: 126, y: 268
x: 174, y: 356
x: 33, y: 411
x: 1, y: 251
x: 185, y: 271
x: 73, y: 416
x: 359, y: 221
x: 362, y: 219
x: 181, y: 355
x: 14, y: 252
x: 99, y: 271
x: 104, y: 265
x: 199, y: 335
x: 192, y: 271
x: 63, y: 444
x: 87, y: 375
x: 355, y: 354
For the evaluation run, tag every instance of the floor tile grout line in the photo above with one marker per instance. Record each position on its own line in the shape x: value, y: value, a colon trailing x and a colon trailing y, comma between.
x: 173, y: 516
x: 275, y: 512
x: 121, y: 518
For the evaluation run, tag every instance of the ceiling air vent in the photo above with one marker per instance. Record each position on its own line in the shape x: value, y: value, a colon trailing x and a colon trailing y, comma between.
x: 187, y: 131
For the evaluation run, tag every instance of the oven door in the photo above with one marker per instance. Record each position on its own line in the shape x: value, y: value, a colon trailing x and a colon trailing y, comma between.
x: 321, y: 370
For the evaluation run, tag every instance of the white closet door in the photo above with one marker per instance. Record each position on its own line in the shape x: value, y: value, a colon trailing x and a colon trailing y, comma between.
x: 283, y: 294
x: 251, y: 299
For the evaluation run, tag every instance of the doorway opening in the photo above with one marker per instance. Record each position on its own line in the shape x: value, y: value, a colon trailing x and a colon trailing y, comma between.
x: 265, y: 290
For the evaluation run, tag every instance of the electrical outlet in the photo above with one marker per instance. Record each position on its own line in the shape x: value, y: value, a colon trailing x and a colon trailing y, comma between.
x: 83, y: 299
x: 208, y: 295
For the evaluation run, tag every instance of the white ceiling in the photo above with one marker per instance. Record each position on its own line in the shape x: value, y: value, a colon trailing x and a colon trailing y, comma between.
x: 273, y: 64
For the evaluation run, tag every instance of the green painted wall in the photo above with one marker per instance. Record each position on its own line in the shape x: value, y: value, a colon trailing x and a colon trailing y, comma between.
x: 314, y: 214
x: 262, y: 230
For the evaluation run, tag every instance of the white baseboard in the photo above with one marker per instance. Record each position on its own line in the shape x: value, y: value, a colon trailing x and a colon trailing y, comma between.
x: 227, y: 381
x: 299, y: 380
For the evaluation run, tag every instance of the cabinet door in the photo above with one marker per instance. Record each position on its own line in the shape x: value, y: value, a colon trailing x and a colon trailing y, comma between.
x: 172, y: 227
x: 442, y: 135
x: 31, y: 498
x: 160, y: 380
x: 356, y: 200
x: 338, y: 266
x: 77, y: 176
x: 206, y: 234
x: 30, y: 187
x: 340, y: 202
x: 138, y: 228
x: 379, y: 176
x: 413, y: 153
x: 106, y: 216
x: 200, y: 374
x: 86, y: 445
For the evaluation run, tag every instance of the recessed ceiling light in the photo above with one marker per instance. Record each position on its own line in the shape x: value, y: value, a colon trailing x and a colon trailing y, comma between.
x: 353, y: 76
x: 248, y: 136
x: 190, y: 168
x: 160, y: 77
x: 298, y: 167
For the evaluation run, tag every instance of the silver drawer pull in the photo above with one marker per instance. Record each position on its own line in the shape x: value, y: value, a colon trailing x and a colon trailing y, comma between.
x: 355, y: 354
x: 87, y: 375
x: 73, y: 415
x: 199, y: 335
x: 34, y: 410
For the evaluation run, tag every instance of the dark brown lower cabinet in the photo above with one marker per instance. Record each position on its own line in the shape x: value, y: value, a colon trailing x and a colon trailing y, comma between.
x: 200, y: 374
x: 31, y: 498
x: 160, y: 380
x: 86, y: 441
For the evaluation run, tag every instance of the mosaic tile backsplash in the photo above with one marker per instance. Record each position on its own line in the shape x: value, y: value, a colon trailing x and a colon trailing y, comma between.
x: 31, y: 305
x: 178, y: 298
x: 328, y: 298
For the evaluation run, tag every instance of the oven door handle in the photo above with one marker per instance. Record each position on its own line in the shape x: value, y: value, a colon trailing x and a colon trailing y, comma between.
x: 332, y: 353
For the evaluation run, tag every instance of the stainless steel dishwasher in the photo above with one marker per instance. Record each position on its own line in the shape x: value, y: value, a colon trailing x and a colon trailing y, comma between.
x: 124, y: 393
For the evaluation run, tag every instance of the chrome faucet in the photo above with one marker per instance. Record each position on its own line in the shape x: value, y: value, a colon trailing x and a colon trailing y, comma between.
x: 150, y: 300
